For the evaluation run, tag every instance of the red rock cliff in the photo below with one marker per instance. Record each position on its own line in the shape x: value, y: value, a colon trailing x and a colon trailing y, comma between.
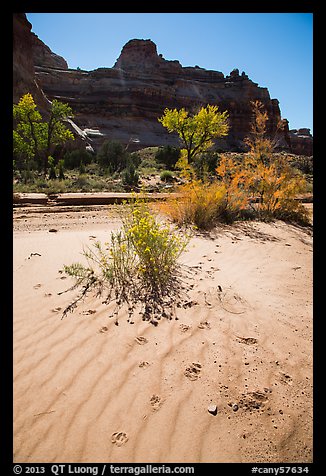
x: 125, y: 101
x: 23, y: 62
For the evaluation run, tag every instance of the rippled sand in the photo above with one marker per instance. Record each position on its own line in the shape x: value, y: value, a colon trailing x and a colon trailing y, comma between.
x: 87, y: 390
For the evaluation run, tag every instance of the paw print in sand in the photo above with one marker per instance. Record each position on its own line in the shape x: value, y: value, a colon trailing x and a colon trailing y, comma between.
x: 119, y: 438
x: 192, y: 372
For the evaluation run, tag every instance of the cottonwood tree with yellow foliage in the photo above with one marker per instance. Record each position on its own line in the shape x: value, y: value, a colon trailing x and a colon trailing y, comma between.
x: 262, y: 184
x: 35, y: 138
x: 196, y: 131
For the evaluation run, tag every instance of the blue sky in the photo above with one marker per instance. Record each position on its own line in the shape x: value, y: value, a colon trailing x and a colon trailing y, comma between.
x: 274, y: 49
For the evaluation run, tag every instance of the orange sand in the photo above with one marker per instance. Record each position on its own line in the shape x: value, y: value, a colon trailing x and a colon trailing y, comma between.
x: 86, y: 390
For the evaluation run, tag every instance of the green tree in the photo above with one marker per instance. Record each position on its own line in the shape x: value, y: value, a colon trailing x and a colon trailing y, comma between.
x: 196, y: 131
x: 73, y: 159
x: 28, y: 131
x: 205, y: 165
x: 113, y: 156
x: 35, y: 138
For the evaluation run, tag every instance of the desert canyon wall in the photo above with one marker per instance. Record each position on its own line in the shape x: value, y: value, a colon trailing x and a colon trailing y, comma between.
x: 123, y: 102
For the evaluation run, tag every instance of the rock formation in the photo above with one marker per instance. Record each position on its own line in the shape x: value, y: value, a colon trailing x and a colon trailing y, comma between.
x: 43, y: 56
x: 301, y: 141
x: 124, y: 102
x: 23, y: 62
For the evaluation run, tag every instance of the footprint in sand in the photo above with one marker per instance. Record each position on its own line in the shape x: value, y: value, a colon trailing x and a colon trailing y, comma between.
x: 204, y: 325
x: 143, y: 364
x: 184, y: 327
x: 141, y: 340
x: 119, y: 438
x: 56, y: 309
x: 285, y: 378
x: 192, y: 372
x: 156, y: 401
x: 231, y: 302
x: 247, y: 340
x: 253, y: 400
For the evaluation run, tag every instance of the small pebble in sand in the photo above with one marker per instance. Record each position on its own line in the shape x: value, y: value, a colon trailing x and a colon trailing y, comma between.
x: 212, y: 409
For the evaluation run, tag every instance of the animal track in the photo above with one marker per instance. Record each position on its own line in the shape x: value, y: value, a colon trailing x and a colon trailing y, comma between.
x: 253, y: 400
x: 184, y: 327
x: 192, y: 372
x: 156, y: 401
x: 204, y: 325
x: 119, y: 438
x: 141, y: 340
x: 285, y: 378
x: 143, y: 364
x: 247, y: 340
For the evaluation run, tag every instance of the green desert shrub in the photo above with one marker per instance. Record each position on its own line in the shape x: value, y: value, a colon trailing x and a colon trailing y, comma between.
x: 167, y: 176
x: 52, y: 170
x: 130, y: 177
x: 73, y: 159
x: 61, y: 174
x: 113, y: 156
x: 205, y: 165
x: 167, y: 155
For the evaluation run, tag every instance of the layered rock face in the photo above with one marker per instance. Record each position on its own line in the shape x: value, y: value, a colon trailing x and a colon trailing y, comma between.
x: 124, y: 102
x: 28, y: 51
x: 43, y: 56
x: 301, y: 141
x: 23, y: 61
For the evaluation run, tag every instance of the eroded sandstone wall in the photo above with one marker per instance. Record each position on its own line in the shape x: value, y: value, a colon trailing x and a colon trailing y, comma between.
x: 124, y: 102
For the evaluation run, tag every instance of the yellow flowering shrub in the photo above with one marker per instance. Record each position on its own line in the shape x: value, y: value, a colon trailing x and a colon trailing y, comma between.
x: 156, y: 246
x: 139, y: 266
x: 275, y: 186
x: 262, y: 185
x: 204, y: 204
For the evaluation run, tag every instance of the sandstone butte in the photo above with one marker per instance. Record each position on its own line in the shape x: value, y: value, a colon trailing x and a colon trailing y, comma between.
x: 123, y: 102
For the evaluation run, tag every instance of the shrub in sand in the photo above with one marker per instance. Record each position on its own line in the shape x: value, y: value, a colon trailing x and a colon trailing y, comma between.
x: 206, y: 204
x: 270, y: 177
x: 138, y: 268
x: 263, y: 185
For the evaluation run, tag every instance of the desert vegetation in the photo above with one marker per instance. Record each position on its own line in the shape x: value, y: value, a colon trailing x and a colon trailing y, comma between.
x: 35, y: 138
x: 262, y: 185
x: 46, y: 159
x: 138, y: 268
x: 215, y: 187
